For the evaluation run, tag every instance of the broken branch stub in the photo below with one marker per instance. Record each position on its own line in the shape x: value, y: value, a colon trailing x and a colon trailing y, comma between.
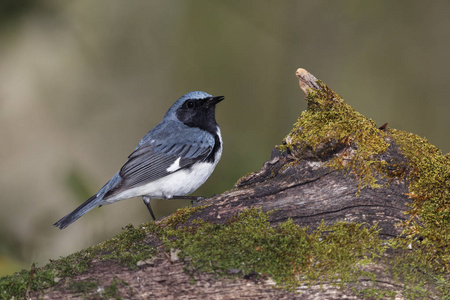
x: 306, y: 80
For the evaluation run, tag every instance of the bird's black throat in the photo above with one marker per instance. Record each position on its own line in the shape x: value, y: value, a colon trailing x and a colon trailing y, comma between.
x: 200, y: 113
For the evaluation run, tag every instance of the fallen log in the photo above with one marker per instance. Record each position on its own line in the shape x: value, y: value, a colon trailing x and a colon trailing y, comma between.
x: 343, y: 209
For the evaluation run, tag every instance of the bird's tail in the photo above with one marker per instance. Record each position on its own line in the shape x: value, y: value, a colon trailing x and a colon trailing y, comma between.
x: 79, y: 211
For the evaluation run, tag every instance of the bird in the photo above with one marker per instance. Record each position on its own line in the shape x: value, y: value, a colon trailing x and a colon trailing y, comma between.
x: 171, y: 161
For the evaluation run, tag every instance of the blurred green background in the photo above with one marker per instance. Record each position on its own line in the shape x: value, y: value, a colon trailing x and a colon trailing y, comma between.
x: 82, y: 81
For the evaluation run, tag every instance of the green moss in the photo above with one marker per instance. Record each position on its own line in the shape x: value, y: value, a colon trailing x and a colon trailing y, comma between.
x: 330, y: 125
x: 39, y: 279
x: 427, y: 232
x: 90, y: 288
x: 333, y: 132
x: 84, y: 287
x: 418, y: 277
x: 428, y: 227
x: 127, y: 249
x: 341, y: 254
x: 245, y: 244
x: 179, y: 217
x: 423, y: 263
x: 248, y: 243
x: 112, y: 291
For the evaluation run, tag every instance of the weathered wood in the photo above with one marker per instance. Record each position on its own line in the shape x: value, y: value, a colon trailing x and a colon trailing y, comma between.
x: 309, y: 192
x: 162, y: 278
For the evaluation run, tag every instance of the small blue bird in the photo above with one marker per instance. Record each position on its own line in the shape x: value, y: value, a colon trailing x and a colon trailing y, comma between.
x: 171, y: 161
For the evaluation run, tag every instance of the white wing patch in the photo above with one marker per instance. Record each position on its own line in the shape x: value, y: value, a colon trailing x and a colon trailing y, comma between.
x: 175, y: 166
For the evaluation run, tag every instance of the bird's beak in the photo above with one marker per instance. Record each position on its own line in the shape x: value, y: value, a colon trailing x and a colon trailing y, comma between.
x: 214, y: 100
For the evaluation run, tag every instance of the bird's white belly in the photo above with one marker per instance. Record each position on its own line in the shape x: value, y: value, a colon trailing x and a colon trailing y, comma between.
x: 179, y: 183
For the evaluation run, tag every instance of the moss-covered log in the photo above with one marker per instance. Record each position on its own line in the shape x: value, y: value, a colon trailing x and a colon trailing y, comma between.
x: 343, y: 208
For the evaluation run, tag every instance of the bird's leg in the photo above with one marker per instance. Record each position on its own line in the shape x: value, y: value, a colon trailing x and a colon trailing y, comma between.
x: 194, y: 199
x: 146, y: 200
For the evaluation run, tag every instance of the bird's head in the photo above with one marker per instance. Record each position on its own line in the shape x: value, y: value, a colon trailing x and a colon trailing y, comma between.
x: 195, y: 109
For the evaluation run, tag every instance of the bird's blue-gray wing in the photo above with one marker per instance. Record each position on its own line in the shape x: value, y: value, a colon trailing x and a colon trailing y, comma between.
x: 164, y: 150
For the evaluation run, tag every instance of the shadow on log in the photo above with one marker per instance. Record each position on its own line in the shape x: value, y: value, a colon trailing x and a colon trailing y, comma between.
x: 335, y: 167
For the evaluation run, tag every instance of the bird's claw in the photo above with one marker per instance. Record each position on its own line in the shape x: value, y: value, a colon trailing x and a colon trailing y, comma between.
x: 197, y: 200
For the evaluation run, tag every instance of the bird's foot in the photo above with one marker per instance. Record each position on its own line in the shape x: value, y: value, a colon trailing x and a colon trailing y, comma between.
x: 194, y: 199
x: 197, y: 200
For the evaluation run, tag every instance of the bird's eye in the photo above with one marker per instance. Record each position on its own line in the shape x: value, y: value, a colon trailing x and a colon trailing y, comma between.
x: 190, y: 104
